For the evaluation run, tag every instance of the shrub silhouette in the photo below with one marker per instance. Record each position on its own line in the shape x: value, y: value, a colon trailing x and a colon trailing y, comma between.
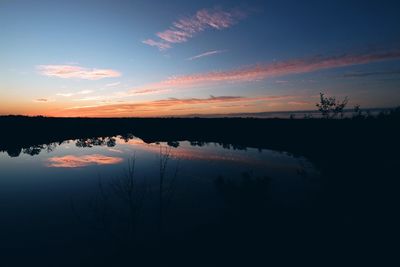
x: 330, y: 107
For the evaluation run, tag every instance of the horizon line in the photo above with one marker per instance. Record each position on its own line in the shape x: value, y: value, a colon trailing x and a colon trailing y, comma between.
x: 206, y: 116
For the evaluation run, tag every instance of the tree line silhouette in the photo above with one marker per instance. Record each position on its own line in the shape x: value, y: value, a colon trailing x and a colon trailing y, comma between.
x: 307, y: 137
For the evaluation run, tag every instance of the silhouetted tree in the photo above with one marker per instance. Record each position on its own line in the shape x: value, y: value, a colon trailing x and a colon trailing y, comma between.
x: 33, y: 150
x: 357, y: 108
x: 111, y: 142
x: 127, y: 136
x: 330, y: 107
x: 173, y: 143
x: 14, y: 152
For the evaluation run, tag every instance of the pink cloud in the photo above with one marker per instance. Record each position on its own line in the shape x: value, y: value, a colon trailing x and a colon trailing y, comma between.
x: 276, y: 69
x: 70, y: 71
x: 160, y: 45
x: 149, y: 91
x: 71, y: 161
x: 206, y: 54
x: 299, y: 103
x: 185, y: 28
x: 174, y: 36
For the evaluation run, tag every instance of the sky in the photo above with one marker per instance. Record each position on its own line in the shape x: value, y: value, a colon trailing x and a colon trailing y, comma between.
x: 114, y: 58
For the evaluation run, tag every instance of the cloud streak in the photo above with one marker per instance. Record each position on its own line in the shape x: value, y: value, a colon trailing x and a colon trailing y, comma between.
x: 299, y: 103
x: 186, y: 28
x: 206, y: 54
x: 76, y: 72
x: 41, y: 100
x: 165, y: 106
x: 83, y: 92
x: 254, y: 73
x: 160, y: 45
x: 374, y: 73
x: 276, y: 69
x: 150, y: 91
x: 113, y: 84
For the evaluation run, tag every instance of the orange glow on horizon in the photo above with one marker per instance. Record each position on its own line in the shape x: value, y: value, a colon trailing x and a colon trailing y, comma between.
x: 179, y: 107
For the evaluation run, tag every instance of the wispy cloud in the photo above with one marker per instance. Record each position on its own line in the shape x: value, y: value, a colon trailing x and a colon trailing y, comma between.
x: 160, y: 45
x: 113, y: 84
x: 77, y: 72
x: 276, y: 69
x: 299, y: 103
x: 89, y: 98
x: 71, y: 161
x: 165, y: 106
x: 149, y: 91
x: 42, y: 100
x: 372, y: 73
x: 281, y: 81
x: 253, y: 73
x: 206, y: 54
x: 83, y: 92
x: 169, y: 102
x: 65, y: 94
x: 187, y: 27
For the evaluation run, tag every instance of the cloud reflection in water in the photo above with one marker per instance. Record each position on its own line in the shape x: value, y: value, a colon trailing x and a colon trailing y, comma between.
x: 71, y: 161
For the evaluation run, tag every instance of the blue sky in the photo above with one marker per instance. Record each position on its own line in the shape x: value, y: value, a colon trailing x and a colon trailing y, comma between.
x: 156, y: 58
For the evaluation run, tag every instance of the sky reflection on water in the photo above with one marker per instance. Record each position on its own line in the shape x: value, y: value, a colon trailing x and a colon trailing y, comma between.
x: 43, y: 191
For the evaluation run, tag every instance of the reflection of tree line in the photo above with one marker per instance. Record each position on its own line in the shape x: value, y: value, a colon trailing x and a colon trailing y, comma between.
x: 83, y: 142
x: 96, y: 141
x: 202, y: 143
x: 104, y: 141
x: 306, y: 137
x: 33, y: 150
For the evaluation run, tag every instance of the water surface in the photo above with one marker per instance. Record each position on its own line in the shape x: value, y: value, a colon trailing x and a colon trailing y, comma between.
x: 66, y: 199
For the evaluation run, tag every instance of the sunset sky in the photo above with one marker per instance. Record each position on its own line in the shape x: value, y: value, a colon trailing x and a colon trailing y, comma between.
x: 112, y: 58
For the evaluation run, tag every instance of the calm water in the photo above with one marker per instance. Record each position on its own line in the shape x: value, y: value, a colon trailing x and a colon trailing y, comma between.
x: 100, y: 201
x: 118, y: 201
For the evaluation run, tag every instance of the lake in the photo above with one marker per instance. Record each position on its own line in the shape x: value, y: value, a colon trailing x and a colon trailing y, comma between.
x: 204, y: 193
x: 76, y: 199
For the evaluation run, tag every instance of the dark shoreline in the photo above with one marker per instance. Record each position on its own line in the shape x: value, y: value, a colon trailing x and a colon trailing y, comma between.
x: 308, y: 137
